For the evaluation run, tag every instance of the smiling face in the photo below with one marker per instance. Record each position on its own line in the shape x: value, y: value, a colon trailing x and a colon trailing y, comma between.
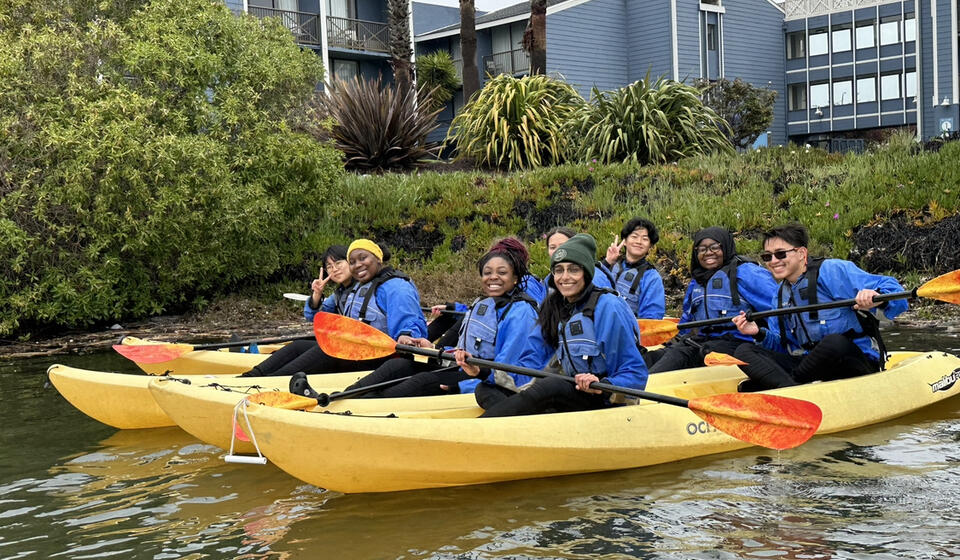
x: 710, y: 254
x: 364, y: 265
x: 570, y: 280
x: 497, y: 277
x: 555, y: 241
x: 338, y: 270
x: 637, y: 245
x: 791, y: 266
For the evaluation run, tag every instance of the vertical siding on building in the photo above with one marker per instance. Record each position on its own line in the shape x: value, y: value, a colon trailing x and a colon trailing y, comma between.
x: 649, y: 42
x: 427, y: 17
x: 688, y: 40
x: 372, y: 10
x: 588, y: 45
x: 753, y: 50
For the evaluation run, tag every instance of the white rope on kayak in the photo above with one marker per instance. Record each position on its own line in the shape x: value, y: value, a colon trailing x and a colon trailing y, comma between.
x: 247, y: 459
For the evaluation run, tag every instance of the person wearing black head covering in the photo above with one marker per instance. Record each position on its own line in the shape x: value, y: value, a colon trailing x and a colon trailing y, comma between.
x: 723, y: 285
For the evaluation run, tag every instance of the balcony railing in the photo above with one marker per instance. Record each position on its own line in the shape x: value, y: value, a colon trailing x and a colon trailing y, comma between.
x: 512, y: 62
x: 345, y: 33
x: 357, y: 34
x: 796, y: 9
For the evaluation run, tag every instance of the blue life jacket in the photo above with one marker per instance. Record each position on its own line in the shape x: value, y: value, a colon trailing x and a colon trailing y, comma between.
x: 334, y: 303
x: 719, y: 298
x: 800, y: 332
x: 478, y: 332
x: 579, y: 350
x: 357, y: 303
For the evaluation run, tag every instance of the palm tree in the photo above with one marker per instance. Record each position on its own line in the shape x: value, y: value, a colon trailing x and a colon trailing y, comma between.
x: 468, y: 49
x: 398, y: 17
x: 535, y: 37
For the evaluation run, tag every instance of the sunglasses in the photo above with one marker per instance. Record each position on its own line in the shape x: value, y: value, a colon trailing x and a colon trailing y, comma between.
x: 767, y: 257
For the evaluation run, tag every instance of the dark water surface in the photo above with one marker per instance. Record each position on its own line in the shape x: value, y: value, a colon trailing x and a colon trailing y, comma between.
x: 73, y: 488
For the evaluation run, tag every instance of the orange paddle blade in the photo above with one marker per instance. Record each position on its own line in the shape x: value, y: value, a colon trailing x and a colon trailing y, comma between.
x: 718, y: 359
x: 766, y: 420
x: 349, y: 339
x: 282, y: 399
x: 945, y: 287
x: 152, y: 353
x: 656, y: 331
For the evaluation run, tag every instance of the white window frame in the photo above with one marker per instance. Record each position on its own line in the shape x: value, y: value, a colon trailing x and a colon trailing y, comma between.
x: 862, y: 35
x: 887, y: 81
x: 819, y: 95
x: 818, y: 43
x: 843, y: 95
x: 841, y: 32
x: 886, y: 28
x: 862, y: 89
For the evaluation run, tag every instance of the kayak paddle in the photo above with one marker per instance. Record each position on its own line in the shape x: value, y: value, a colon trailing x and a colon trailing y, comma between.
x: 768, y: 420
x: 166, y: 351
x: 945, y: 287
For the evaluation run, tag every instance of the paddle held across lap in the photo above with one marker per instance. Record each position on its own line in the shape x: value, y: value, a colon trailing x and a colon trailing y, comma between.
x: 945, y: 287
x: 760, y: 419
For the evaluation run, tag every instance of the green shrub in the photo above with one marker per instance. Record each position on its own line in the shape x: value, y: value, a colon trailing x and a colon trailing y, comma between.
x: 516, y: 123
x: 378, y: 127
x: 146, y: 162
x: 436, y: 73
x: 648, y: 123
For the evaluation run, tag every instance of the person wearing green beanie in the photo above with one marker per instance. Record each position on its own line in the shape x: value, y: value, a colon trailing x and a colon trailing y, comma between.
x: 590, y: 332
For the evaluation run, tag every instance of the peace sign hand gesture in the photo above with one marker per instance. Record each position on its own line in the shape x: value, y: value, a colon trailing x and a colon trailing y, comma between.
x: 613, y: 251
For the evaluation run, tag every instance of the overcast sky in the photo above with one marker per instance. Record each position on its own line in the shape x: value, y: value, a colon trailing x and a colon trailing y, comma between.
x: 482, y: 5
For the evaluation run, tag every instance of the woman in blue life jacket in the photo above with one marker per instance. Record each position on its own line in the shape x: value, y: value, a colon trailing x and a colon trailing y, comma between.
x: 822, y: 345
x: 723, y: 285
x: 636, y: 280
x: 494, y: 328
x: 557, y: 237
x: 381, y: 297
x: 591, y: 333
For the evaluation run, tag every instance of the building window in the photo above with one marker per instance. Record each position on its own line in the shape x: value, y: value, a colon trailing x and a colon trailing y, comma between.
x: 796, y: 45
x: 841, y: 39
x: 711, y: 36
x: 889, y: 87
x: 843, y: 92
x: 889, y: 31
x: 346, y: 70
x: 818, y: 42
x: 910, y: 29
x: 819, y: 95
x: 865, y: 36
x: 867, y: 89
x: 797, y: 94
x: 910, y: 84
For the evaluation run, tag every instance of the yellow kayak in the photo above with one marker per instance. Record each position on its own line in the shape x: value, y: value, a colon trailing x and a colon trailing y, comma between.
x: 206, y: 412
x: 379, y: 454
x: 123, y: 400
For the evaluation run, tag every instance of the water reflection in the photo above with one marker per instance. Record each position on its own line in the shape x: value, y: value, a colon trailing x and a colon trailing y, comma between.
x: 71, y: 488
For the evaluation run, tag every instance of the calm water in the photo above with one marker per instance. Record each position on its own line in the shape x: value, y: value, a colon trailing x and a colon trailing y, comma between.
x: 73, y: 488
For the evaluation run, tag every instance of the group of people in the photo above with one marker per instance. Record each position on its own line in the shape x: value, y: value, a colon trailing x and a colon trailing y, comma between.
x: 581, y: 320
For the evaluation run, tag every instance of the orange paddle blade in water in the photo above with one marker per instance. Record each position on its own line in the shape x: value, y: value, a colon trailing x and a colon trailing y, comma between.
x: 770, y: 421
x: 718, y: 359
x: 152, y: 353
x: 656, y: 331
x: 349, y: 339
x: 944, y: 288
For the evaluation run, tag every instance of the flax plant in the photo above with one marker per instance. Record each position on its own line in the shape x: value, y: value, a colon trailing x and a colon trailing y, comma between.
x: 516, y: 123
x: 648, y: 123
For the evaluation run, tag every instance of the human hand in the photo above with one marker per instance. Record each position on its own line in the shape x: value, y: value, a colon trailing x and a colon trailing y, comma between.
x: 584, y: 380
x: 318, y: 284
x: 865, y: 299
x: 436, y: 310
x: 613, y: 251
x: 461, y: 355
x: 746, y: 327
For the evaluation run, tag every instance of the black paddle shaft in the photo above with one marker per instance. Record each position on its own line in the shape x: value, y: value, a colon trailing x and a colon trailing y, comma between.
x: 752, y: 316
x: 214, y: 345
x: 544, y: 374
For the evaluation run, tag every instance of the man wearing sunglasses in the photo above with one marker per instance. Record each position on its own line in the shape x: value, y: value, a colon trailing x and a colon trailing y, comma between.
x: 820, y: 345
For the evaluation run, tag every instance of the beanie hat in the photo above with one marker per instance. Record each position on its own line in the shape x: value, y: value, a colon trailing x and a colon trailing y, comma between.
x: 366, y: 245
x: 580, y: 249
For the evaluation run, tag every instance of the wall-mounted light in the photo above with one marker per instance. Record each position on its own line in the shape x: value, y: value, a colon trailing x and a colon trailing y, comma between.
x: 818, y: 112
x: 945, y: 102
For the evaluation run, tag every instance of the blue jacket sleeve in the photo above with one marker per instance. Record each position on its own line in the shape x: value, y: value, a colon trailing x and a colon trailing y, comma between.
x: 685, y: 316
x: 400, y: 301
x: 757, y: 286
x: 512, y: 333
x: 601, y: 280
x: 617, y: 333
x: 653, y: 302
x: 535, y: 354
x: 534, y: 288
x: 843, y: 279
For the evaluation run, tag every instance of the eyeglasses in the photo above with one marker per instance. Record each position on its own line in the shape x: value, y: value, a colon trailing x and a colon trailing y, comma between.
x: 715, y: 248
x: 571, y: 269
x: 782, y: 254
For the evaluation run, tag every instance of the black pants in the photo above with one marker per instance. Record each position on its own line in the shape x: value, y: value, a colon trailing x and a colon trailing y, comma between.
x: 834, y: 357
x: 488, y: 395
x: 688, y: 353
x: 424, y: 379
x: 306, y: 356
x: 445, y: 329
x: 550, y: 394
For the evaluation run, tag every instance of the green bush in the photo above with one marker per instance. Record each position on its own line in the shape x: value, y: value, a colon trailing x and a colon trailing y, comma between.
x: 516, y: 123
x: 146, y: 162
x: 436, y: 73
x: 648, y: 123
x: 379, y: 127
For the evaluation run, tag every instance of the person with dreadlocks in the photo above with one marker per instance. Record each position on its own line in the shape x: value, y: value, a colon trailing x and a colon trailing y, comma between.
x: 494, y: 327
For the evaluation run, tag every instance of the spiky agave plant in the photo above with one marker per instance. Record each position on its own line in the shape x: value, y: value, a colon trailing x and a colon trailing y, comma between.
x: 648, y: 123
x: 516, y: 122
x: 380, y: 127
